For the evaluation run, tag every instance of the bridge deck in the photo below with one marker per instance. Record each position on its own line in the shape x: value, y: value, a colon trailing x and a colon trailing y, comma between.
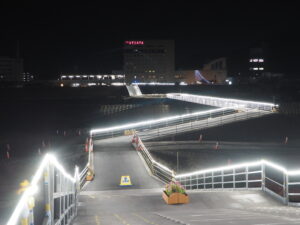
x: 145, y: 206
x: 104, y: 202
x: 114, y: 158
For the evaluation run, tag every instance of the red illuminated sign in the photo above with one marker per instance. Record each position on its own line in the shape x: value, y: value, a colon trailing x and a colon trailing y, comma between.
x: 134, y: 42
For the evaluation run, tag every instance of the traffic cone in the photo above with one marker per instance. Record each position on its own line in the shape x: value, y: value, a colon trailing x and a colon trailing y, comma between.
x: 216, y: 147
x: 43, y: 144
x: 200, y: 138
x: 86, y: 145
x: 133, y: 139
x: 7, y: 151
x: 286, y: 140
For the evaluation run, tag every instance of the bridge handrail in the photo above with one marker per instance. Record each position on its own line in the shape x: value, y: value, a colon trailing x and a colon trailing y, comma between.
x: 270, y: 177
x: 174, y: 129
x: 149, y: 124
x: 157, y: 169
x: 57, y: 184
x: 222, y: 102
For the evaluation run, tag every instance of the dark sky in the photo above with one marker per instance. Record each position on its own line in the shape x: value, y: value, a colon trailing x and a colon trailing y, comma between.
x: 88, y: 37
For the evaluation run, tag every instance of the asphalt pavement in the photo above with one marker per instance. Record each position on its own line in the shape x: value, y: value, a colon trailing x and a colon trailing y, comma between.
x: 146, y: 206
x: 115, y: 157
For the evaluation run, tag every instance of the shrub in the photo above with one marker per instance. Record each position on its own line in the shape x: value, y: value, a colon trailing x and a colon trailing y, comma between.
x: 174, y: 187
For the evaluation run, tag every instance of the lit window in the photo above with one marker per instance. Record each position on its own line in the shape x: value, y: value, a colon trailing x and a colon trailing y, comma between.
x: 255, y: 68
x: 255, y: 60
x: 251, y: 60
x: 261, y: 68
x: 261, y: 60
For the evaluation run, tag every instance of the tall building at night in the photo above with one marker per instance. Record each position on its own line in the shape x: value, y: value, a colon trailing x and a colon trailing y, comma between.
x: 149, y: 60
x: 256, y: 62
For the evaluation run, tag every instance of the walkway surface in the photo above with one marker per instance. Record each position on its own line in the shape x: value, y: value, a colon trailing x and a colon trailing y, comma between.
x: 145, y: 206
x: 103, y: 201
x: 115, y: 157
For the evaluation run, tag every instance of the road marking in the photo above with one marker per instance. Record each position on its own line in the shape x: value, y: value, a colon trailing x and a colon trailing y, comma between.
x: 144, y: 219
x: 121, y: 219
x: 91, y: 196
x: 97, y: 220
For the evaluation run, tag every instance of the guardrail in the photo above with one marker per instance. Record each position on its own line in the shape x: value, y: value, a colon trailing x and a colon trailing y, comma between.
x: 52, y: 195
x: 267, y: 176
x: 51, y: 188
x: 214, y: 120
x: 163, y: 122
x: 158, y: 170
x: 223, y: 102
x: 263, y: 175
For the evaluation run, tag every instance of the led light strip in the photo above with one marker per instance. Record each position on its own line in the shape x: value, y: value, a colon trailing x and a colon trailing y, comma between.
x: 249, y: 164
x: 172, y: 95
x: 34, y: 188
x: 148, y: 122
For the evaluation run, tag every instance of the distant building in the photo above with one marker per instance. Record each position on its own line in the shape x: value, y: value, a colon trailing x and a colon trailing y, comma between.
x: 256, y: 62
x: 11, y: 69
x: 149, y: 60
x: 79, y: 80
x: 214, y: 72
x: 27, y: 77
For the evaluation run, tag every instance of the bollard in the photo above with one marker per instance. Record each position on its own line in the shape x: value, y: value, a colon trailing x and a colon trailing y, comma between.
x: 7, y: 155
x: 286, y: 140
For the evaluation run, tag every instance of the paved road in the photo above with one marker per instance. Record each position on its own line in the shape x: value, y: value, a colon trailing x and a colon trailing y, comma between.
x: 114, y: 158
x: 145, y: 206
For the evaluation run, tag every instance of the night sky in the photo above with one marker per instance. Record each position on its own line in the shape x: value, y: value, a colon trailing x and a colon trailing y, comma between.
x: 88, y: 38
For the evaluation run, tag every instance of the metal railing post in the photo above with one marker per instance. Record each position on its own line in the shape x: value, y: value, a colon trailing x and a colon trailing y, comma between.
x: 222, y: 172
x: 233, y: 178
x: 247, y: 176
x: 285, y: 188
x: 263, y: 176
x: 48, y: 194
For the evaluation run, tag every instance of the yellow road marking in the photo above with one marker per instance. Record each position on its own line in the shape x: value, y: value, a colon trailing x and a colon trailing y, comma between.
x: 121, y: 219
x: 144, y: 219
x: 97, y: 220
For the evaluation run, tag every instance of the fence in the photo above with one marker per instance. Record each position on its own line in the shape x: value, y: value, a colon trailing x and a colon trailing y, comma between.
x: 158, y: 170
x: 213, y: 120
x: 261, y: 175
x: 52, y: 195
x: 223, y: 102
x: 159, y: 123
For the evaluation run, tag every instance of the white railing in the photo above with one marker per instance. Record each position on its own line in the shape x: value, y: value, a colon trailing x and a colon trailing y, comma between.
x: 216, y: 119
x: 158, y: 170
x: 163, y: 122
x: 52, y: 195
x: 58, y: 191
x: 263, y: 175
x: 223, y: 102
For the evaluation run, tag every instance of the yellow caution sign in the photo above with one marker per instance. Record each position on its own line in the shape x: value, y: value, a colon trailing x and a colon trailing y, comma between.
x: 125, y: 181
